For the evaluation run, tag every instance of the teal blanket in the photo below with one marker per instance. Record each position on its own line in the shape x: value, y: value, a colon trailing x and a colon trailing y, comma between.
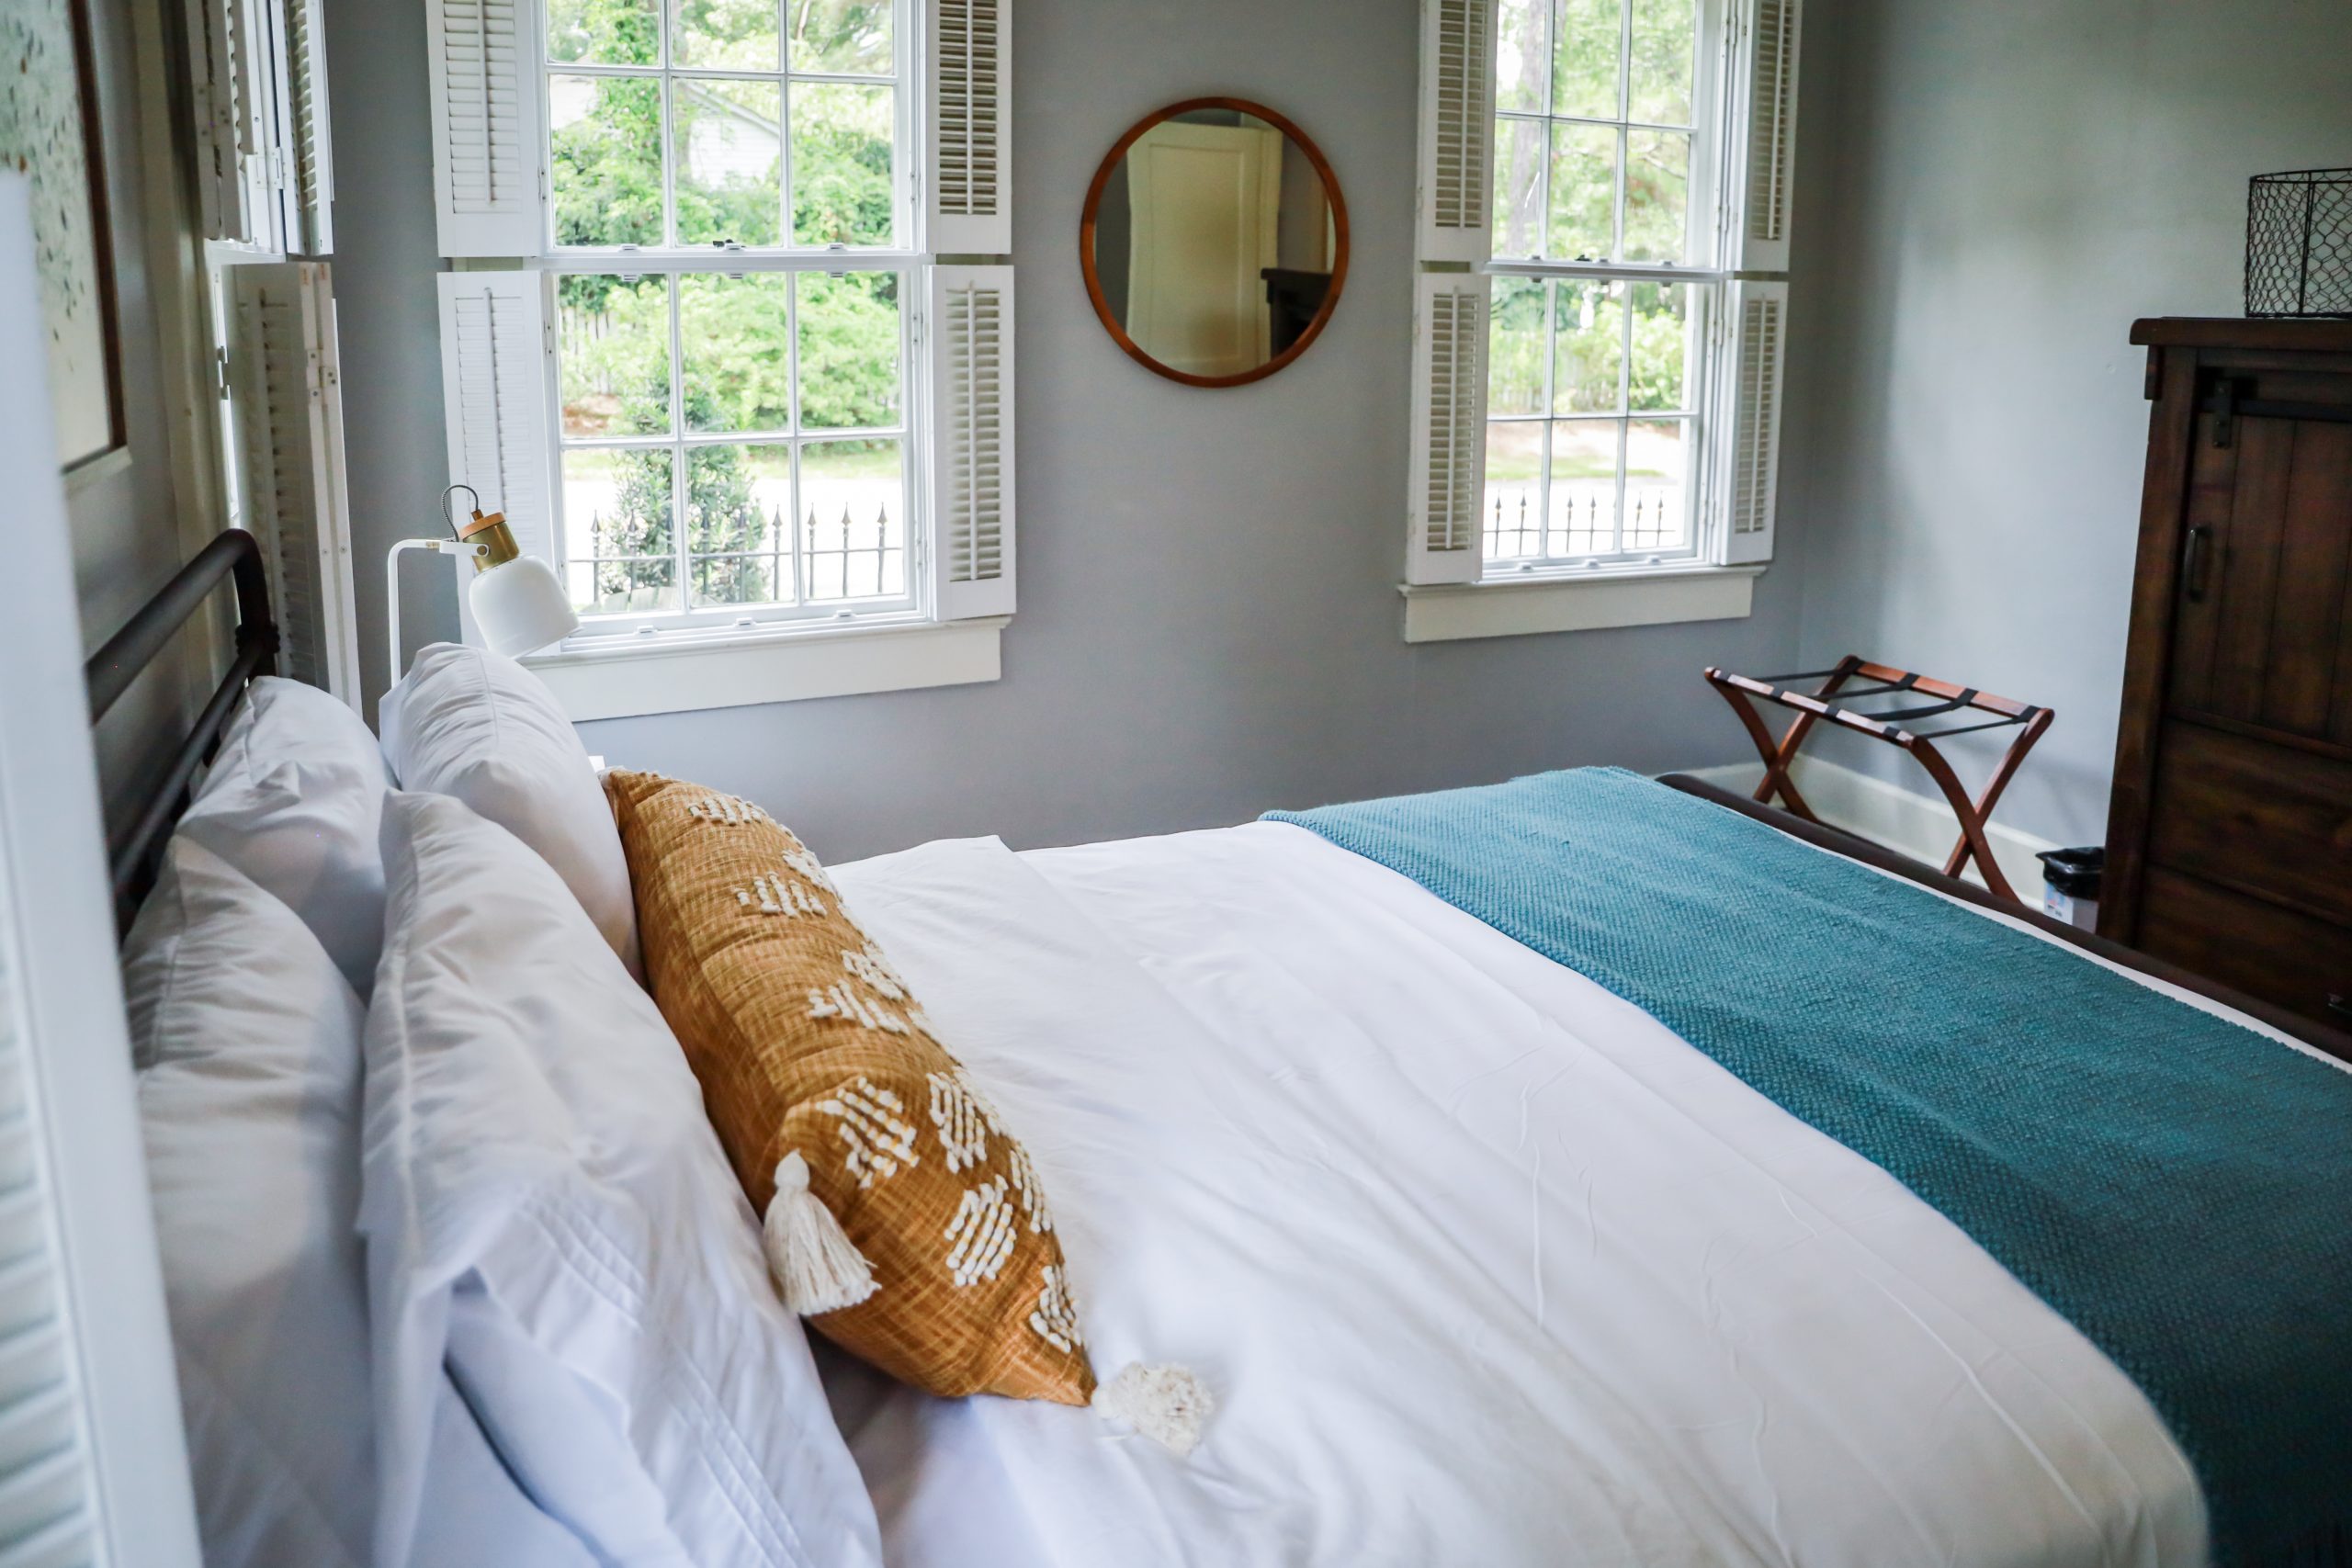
x: 2177, y: 1187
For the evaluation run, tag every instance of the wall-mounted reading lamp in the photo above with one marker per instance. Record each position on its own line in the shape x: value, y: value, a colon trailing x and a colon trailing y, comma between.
x: 516, y: 601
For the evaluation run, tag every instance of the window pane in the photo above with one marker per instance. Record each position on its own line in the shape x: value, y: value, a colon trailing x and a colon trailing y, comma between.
x: 608, y: 146
x: 854, y: 518
x: 736, y: 335
x: 730, y: 161
x: 1584, y: 193
x: 1514, y: 509
x: 1665, y: 38
x: 1519, y: 187
x: 849, y: 351
x: 616, y: 527
x: 1522, y: 54
x: 1584, y: 487
x: 738, y: 34
x: 1592, y: 355
x: 1657, y: 455
x: 604, y: 33
x: 1657, y: 195
x: 842, y: 187
x: 612, y: 343
x: 1589, y: 39
x: 1661, y: 344
x: 1516, y: 347
x: 845, y: 37
x: 739, y: 502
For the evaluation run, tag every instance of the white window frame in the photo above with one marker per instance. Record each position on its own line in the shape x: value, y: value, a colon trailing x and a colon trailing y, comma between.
x: 912, y: 433
x: 942, y: 629
x: 673, y: 260
x: 1733, y: 361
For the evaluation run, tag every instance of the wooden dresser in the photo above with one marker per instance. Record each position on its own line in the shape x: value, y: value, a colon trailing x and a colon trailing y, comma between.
x: 2229, y: 845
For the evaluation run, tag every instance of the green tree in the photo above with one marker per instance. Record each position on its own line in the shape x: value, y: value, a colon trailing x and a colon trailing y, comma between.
x: 608, y: 176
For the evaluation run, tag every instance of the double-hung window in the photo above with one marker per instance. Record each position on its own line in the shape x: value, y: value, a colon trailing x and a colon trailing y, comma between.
x: 700, y: 350
x: 1601, y: 308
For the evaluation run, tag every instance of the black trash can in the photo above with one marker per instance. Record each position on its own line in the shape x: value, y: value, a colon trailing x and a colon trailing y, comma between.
x: 2070, y: 884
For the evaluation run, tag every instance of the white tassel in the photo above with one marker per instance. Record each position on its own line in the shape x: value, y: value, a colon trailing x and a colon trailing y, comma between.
x: 1168, y: 1405
x: 816, y: 1265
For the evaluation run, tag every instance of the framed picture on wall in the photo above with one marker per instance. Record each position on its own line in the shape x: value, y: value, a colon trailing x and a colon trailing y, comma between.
x: 48, y: 131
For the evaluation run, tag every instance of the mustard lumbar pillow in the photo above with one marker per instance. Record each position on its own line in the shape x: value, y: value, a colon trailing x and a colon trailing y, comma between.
x: 902, y: 1217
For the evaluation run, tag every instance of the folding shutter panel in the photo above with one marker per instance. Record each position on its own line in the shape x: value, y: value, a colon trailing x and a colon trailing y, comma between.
x: 255, y: 87
x: 1448, y: 437
x: 308, y: 146
x: 971, y: 121
x: 1757, y: 330
x: 486, y: 152
x: 230, y: 71
x: 289, y: 414
x: 494, y: 392
x: 274, y: 81
x: 1768, y: 107
x: 971, y: 380
x: 48, y: 1490
x: 1457, y: 129
x: 212, y: 92
x: 93, y: 1463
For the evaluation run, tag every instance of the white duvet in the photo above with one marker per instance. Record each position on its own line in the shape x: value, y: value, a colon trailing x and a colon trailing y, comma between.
x: 1484, y: 1265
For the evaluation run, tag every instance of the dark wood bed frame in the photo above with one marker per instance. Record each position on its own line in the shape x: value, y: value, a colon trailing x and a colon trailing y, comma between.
x: 134, y: 849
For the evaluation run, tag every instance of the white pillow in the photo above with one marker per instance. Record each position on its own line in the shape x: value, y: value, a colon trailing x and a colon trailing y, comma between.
x: 293, y: 802
x: 475, y: 724
x: 248, y: 1044
x: 247, y: 1040
x: 547, y: 1214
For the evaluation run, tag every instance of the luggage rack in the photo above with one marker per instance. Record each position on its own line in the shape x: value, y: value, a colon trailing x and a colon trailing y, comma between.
x: 1830, y: 700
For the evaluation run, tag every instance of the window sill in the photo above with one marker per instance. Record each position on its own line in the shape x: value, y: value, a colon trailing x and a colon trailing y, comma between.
x: 643, y: 677
x: 1642, y: 596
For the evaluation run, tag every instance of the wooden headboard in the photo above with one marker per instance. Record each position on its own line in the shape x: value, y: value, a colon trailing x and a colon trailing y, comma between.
x: 134, y: 849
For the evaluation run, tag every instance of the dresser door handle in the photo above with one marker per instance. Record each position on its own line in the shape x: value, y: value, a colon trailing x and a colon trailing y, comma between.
x: 2340, y: 1006
x: 2193, y: 559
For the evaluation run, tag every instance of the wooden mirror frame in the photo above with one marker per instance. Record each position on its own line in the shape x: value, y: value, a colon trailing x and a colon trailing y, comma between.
x: 1086, y: 225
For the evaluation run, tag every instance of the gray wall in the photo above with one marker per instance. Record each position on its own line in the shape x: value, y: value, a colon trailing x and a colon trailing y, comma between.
x: 1209, y: 623
x: 2013, y: 182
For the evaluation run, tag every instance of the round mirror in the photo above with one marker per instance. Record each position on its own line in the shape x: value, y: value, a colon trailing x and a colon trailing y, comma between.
x: 1214, y: 242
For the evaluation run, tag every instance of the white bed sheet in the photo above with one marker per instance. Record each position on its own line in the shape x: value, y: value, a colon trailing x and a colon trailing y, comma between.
x: 1485, y: 1265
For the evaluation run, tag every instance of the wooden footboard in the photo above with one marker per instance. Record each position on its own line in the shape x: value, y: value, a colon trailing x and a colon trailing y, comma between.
x: 2335, y: 1042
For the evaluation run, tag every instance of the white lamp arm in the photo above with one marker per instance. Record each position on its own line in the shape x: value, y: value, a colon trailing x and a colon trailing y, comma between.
x: 393, y: 593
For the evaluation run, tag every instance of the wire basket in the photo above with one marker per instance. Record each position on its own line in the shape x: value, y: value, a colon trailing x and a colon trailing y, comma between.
x: 2298, y: 243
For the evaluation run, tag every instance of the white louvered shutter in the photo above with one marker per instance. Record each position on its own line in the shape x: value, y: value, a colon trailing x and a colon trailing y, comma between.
x: 494, y: 368
x: 1764, y: 124
x: 273, y: 39
x: 234, y: 78
x: 486, y: 140
x: 970, y: 331
x: 969, y: 188
x: 309, y: 150
x: 1757, y: 328
x: 92, y: 1465
x: 48, y: 1494
x: 213, y: 94
x: 1448, y: 434
x: 1456, y: 197
x: 290, y: 416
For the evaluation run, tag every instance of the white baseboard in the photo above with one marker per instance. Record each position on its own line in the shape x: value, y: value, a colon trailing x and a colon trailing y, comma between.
x: 1920, y: 826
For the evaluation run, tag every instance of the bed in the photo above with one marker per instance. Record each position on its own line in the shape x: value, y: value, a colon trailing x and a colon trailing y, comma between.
x: 1483, y: 1262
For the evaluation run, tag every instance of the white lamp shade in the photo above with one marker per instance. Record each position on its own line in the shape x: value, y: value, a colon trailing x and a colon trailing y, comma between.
x: 520, y: 606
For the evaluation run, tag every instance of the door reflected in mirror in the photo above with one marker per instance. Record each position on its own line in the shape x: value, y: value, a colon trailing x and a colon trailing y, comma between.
x: 1214, y: 242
